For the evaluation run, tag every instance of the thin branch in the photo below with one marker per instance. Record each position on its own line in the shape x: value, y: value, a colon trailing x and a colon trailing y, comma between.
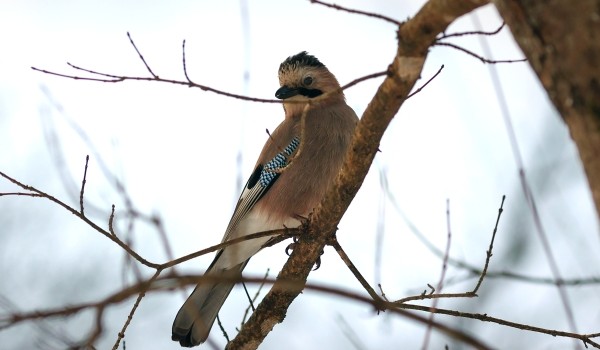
x: 141, y: 57
x: 24, y: 194
x: 222, y: 328
x: 447, y: 251
x: 350, y: 333
x: 472, y: 293
x: 382, y: 293
x: 156, y: 220
x: 366, y: 77
x: 479, y: 57
x: 380, y: 228
x: 514, y: 144
x: 141, y: 295
x: 289, y: 232
x: 475, y: 271
x: 426, y: 83
x: 110, y: 236
x: 113, y: 80
x: 585, y: 338
x: 253, y: 300
x: 184, y: 64
x: 535, y: 279
x: 440, y: 284
x: 87, y: 159
x: 166, y: 284
x: 109, y: 78
x: 475, y: 32
x: 490, y: 248
x: 250, y: 301
x: 359, y: 277
x: 368, y: 14
x: 111, y: 220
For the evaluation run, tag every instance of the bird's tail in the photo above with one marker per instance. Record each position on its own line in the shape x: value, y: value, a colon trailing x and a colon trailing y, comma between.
x: 197, y: 315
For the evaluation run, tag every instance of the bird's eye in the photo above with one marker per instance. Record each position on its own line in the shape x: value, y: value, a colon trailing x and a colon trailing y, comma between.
x: 308, y: 81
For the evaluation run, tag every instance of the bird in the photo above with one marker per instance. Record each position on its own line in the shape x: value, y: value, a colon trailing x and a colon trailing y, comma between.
x: 298, y: 163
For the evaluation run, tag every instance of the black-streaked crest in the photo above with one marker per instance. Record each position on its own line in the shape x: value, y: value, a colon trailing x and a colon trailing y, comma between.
x: 303, y: 59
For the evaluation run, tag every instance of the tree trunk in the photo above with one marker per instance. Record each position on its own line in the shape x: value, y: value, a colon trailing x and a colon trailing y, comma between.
x: 561, y: 40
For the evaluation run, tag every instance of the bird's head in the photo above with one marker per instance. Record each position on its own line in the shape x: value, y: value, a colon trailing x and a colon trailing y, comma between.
x: 303, y: 77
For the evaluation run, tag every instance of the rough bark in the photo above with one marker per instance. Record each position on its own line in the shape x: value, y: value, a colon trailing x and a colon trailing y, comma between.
x: 561, y: 40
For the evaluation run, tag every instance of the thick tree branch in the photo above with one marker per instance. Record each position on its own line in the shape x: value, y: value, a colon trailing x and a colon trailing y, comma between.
x: 560, y: 40
x: 414, y: 39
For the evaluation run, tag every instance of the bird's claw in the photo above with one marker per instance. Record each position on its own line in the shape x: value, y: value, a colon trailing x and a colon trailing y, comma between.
x: 318, y: 262
x: 290, y: 248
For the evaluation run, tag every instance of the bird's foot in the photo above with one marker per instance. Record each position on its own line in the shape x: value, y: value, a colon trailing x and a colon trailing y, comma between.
x: 290, y: 248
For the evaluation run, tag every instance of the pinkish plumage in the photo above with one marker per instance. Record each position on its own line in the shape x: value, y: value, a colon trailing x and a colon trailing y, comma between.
x: 317, y: 115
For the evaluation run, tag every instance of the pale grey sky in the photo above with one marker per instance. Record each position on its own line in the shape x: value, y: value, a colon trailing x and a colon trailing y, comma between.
x: 176, y: 150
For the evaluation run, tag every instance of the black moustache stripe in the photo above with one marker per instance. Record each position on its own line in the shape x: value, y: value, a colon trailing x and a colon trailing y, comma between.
x: 310, y: 93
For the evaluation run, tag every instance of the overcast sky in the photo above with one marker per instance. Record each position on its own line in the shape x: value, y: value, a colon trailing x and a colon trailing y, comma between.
x: 182, y: 152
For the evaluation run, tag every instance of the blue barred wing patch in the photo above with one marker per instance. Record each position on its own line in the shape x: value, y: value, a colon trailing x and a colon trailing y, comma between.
x: 272, y: 168
x: 256, y: 188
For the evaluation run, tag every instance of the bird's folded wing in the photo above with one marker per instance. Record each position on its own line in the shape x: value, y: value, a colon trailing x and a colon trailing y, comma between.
x: 261, y: 180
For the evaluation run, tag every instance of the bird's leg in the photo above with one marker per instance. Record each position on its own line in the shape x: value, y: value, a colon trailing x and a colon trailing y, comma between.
x: 291, y: 246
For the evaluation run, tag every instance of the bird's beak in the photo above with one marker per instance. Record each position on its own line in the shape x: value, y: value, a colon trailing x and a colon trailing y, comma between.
x: 285, y: 92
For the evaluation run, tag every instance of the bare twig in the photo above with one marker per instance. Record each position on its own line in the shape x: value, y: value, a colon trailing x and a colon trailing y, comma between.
x: 289, y: 232
x: 112, y: 237
x: 111, y: 220
x: 141, y: 57
x: 364, y: 13
x: 447, y: 252
x: 479, y: 57
x: 156, y: 220
x: 184, y: 63
x: 514, y: 144
x: 475, y: 32
x: 167, y: 282
x: 87, y: 158
x: 366, y: 77
x: 472, y: 293
x: 380, y: 228
x: 585, y: 338
x: 338, y: 248
x: 252, y: 300
x: 222, y: 328
x: 426, y: 83
x: 440, y: 284
x: 474, y: 271
x: 382, y: 293
x: 350, y: 333
x: 110, y: 78
x: 141, y: 295
x: 24, y: 194
x: 251, y: 303
x: 490, y: 248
